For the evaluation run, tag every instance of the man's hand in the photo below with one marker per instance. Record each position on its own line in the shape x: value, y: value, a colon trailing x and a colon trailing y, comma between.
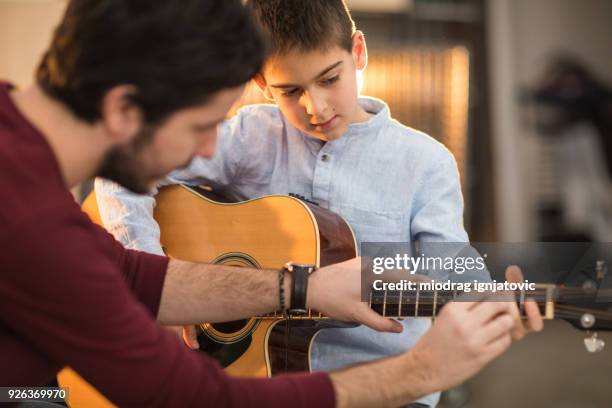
x: 468, y: 335
x: 463, y: 339
x: 335, y: 291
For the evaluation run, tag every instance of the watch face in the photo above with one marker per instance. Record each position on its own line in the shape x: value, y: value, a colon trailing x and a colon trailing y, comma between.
x: 309, y: 267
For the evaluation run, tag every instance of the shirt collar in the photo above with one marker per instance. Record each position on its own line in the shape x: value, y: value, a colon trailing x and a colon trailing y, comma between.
x: 380, y: 112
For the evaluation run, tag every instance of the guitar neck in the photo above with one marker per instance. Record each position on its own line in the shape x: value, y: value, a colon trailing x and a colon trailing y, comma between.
x: 428, y: 303
x: 414, y: 304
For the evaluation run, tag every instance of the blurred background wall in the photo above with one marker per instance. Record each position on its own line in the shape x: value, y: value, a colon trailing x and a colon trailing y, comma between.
x: 25, y: 32
x: 523, y: 36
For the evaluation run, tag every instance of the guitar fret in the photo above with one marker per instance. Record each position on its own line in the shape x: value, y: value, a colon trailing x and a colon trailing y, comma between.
x: 377, y: 302
x: 399, y: 306
x: 407, y: 304
x: 392, y: 303
x: 426, y: 305
x: 433, y: 313
x: 522, y: 303
x: 384, y: 304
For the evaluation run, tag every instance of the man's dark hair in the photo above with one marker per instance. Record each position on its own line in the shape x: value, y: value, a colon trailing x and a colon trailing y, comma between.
x: 176, y: 53
x: 305, y: 25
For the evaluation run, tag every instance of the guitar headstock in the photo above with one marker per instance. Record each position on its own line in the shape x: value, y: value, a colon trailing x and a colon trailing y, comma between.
x: 587, y: 307
x: 584, y: 308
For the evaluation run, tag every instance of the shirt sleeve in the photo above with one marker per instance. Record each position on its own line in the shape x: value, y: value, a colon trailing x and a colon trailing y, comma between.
x: 63, y: 294
x: 129, y: 216
x: 437, y: 223
x: 437, y: 214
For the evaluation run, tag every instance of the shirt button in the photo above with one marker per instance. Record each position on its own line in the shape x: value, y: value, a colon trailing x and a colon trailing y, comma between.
x: 325, y: 157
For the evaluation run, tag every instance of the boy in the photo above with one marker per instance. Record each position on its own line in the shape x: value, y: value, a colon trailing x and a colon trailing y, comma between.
x: 391, y: 183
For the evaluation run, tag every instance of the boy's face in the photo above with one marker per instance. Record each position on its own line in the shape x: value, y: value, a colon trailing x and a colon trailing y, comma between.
x: 317, y: 90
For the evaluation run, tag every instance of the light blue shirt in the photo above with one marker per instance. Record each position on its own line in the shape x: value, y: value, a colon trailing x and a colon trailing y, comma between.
x: 390, y: 182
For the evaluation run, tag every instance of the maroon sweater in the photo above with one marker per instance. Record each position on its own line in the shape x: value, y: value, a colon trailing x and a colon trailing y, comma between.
x: 72, y: 295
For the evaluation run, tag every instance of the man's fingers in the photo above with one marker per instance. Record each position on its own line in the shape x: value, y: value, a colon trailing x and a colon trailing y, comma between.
x: 499, y: 326
x: 375, y: 321
x: 190, y: 337
x: 497, y: 346
x: 487, y: 310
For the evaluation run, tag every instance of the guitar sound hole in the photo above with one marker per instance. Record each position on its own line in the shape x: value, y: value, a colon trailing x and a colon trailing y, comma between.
x: 230, y: 327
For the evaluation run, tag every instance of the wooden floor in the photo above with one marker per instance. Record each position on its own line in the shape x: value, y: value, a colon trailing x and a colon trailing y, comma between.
x: 548, y: 369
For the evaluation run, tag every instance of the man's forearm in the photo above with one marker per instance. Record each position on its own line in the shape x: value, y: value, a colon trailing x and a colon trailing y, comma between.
x: 196, y: 293
x: 391, y: 382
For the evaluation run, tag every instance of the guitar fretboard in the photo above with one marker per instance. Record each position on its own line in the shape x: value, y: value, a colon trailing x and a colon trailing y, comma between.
x: 410, y: 304
x: 428, y: 303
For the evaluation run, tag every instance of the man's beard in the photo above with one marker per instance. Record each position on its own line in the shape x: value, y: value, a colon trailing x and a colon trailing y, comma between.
x: 124, y: 164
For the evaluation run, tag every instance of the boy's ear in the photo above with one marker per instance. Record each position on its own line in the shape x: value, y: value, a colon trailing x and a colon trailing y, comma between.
x: 360, y: 51
x: 263, y: 87
x: 121, y: 117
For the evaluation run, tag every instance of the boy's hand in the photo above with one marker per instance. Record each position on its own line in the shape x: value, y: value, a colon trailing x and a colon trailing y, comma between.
x: 190, y: 337
x: 335, y: 291
x: 534, y: 321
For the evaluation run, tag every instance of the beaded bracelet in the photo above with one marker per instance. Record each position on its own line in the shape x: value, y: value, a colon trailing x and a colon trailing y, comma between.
x: 281, y: 290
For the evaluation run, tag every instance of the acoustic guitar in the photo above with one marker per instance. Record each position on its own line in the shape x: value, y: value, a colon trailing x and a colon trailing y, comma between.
x: 266, y: 232
x: 198, y: 226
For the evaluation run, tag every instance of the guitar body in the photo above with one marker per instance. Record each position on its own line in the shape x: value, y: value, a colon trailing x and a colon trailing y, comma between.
x: 260, y: 233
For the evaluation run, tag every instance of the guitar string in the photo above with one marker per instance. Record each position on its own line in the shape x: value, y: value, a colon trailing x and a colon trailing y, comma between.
x: 538, y: 295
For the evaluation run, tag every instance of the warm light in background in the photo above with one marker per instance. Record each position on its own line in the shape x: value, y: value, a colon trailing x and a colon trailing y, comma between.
x: 427, y: 89
x: 251, y: 95
x: 456, y: 101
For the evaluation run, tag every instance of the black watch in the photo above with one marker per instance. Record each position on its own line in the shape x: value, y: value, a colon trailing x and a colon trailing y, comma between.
x: 299, y: 285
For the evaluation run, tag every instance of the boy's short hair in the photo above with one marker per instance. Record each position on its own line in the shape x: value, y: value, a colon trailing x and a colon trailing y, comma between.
x: 305, y: 25
x: 177, y: 54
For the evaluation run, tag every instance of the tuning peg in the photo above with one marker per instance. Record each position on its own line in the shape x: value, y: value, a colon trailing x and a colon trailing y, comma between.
x: 587, y: 320
x: 593, y: 344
